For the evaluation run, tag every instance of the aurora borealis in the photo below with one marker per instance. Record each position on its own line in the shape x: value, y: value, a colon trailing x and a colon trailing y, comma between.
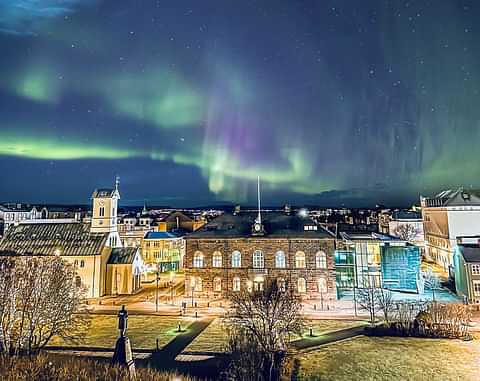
x: 330, y: 102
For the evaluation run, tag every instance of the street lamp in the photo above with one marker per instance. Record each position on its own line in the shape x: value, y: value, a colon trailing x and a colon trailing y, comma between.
x: 156, y: 289
x: 172, y: 278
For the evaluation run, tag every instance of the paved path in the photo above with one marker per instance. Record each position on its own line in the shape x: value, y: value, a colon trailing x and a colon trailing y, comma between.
x: 328, y: 338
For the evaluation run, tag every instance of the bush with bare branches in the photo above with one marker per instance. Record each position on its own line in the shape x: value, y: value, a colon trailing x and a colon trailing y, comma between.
x: 38, y: 300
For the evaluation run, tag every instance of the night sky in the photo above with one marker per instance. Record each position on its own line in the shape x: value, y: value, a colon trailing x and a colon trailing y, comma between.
x: 330, y: 102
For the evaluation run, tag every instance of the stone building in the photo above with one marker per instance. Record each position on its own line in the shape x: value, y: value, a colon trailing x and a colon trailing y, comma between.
x: 244, y: 250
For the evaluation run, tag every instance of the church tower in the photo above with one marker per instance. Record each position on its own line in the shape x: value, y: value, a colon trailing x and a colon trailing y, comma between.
x: 104, y: 216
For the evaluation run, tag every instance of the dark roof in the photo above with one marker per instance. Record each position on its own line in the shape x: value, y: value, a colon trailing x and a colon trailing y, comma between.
x: 164, y: 235
x: 45, y: 239
x: 459, y: 197
x: 470, y: 253
x: 122, y: 256
x: 367, y: 236
x: 406, y: 215
x: 103, y: 192
x: 277, y: 225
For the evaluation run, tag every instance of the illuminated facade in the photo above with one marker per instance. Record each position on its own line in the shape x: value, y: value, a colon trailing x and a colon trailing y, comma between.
x: 163, y: 250
x: 235, y: 252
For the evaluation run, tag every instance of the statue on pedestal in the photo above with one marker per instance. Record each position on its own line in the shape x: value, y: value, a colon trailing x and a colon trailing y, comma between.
x: 123, y: 349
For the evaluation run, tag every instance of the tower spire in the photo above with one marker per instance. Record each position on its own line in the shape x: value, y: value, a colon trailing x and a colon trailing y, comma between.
x: 259, y: 217
x: 117, y: 182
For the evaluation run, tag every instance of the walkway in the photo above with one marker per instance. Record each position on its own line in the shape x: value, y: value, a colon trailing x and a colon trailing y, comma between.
x: 327, y: 338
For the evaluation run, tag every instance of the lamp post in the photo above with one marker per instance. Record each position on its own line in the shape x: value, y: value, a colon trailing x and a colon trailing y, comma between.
x: 156, y: 289
x: 193, y: 290
x: 172, y: 278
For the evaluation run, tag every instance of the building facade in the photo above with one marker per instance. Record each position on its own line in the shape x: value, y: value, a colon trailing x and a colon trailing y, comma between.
x: 163, y: 251
x: 467, y: 269
x: 235, y: 252
x: 448, y: 215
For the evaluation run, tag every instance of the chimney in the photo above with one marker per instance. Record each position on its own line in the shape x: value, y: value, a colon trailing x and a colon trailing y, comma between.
x: 237, y: 210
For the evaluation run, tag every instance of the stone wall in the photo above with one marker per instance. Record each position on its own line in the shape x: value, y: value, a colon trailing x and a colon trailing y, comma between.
x: 247, y: 273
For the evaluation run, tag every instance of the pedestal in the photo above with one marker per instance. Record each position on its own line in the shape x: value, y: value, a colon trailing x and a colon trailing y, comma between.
x: 123, y: 355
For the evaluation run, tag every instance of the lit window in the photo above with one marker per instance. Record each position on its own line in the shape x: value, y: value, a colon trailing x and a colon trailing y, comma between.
x: 301, y: 285
x: 321, y: 260
x: 322, y: 285
x: 198, y: 284
x: 236, y: 284
x: 476, y: 287
x: 217, y: 284
x: 280, y: 259
x: 281, y: 284
x: 476, y: 269
x: 217, y: 259
x: 236, y: 259
x: 300, y: 260
x: 258, y: 262
x: 198, y: 259
x: 75, y: 263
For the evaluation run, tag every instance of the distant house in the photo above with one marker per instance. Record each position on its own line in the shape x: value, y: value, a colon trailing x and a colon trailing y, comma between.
x: 407, y: 225
x: 180, y: 221
x: 467, y: 268
x: 164, y: 250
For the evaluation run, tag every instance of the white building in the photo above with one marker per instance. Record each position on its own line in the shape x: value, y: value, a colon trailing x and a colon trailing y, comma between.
x: 446, y: 216
x: 407, y: 225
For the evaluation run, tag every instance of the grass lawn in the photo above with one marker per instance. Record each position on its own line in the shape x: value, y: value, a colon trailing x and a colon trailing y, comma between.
x: 213, y: 339
x: 406, y: 359
x: 142, y: 331
x: 321, y: 327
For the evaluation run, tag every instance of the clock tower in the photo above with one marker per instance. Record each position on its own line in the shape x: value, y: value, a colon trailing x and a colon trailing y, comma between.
x: 104, y: 215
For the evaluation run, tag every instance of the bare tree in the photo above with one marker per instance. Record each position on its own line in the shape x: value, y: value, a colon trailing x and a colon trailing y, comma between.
x: 367, y: 299
x: 39, y: 299
x: 406, y: 231
x: 268, y: 318
x: 385, y: 303
x: 432, y: 282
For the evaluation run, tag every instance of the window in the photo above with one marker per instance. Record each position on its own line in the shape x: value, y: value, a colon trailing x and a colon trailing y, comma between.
x: 196, y: 283
x: 258, y: 262
x: 476, y: 269
x: 236, y: 284
x: 301, y: 285
x: 217, y: 284
x: 82, y: 263
x: 102, y: 211
x: 300, y: 260
x: 236, y: 259
x: 198, y: 259
x: 281, y: 284
x: 217, y: 259
x: 322, y: 285
x: 321, y: 260
x: 280, y: 259
x: 75, y: 263
x: 476, y: 287
x: 78, y: 281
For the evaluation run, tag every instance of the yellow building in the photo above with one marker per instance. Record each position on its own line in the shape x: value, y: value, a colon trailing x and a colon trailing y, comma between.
x: 180, y: 221
x: 163, y: 251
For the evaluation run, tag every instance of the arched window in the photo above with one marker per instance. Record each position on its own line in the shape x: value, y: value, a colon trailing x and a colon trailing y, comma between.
x: 301, y: 285
x: 258, y: 262
x: 75, y: 263
x: 300, y: 260
x: 321, y: 260
x: 236, y: 284
x: 236, y: 259
x: 102, y: 211
x: 280, y: 259
x: 217, y: 259
x: 82, y: 263
x: 196, y: 283
x: 198, y: 259
x: 322, y: 285
x: 281, y: 284
x: 217, y: 284
x: 78, y: 281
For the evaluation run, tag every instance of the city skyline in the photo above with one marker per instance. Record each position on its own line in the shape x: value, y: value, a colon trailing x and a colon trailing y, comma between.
x: 332, y: 103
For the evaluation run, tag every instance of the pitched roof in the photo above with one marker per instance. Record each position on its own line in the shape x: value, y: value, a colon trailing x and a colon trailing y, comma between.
x: 46, y: 239
x: 406, y: 215
x: 470, y: 253
x: 122, y: 256
x: 277, y: 225
x: 459, y: 197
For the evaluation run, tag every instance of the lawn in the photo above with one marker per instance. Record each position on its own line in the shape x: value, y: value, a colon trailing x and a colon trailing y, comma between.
x: 320, y: 327
x: 406, y: 359
x: 142, y: 331
x: 213, y: 339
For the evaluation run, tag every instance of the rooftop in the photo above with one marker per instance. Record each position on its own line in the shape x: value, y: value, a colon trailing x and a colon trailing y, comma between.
x: 164, y: 235
x: 52, y: 239
x: 277, y: 225
x: 470, y: 252
x: 122, y: 256
x: 104, y: 193
x: 459, y: 197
